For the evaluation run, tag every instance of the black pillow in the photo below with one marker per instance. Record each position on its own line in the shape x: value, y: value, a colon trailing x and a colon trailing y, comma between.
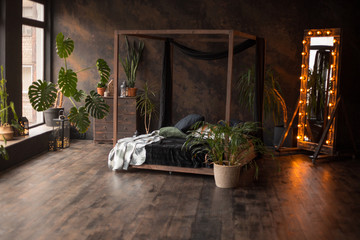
x: 186, y: 123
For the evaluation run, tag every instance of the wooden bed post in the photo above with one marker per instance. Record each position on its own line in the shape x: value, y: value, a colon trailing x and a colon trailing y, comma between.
x: 229, y: 76
x: 115, y: 97
x: 259, y: 82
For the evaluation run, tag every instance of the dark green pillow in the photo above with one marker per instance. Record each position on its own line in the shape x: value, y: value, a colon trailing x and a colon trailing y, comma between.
x: 171, y: 132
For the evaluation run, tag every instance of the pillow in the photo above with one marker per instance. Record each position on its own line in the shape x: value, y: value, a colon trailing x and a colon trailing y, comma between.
x: 171, y: 132
x: 186, y: 123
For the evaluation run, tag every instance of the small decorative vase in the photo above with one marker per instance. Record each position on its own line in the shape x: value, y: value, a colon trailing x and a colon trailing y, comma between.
x: 100, y: 91
x: 227, y: 176
x: 132, y: 92
x: 6, y: 132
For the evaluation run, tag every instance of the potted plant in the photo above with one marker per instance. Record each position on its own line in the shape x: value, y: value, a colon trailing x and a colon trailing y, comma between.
x: 101, y: 87
x: 146, y: 106
x: 229, y: 148
x: 131, y: 63
x: 6, y: 126
x: 43, y: 94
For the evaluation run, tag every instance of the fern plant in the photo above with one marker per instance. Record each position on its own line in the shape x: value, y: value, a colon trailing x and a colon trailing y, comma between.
x: 224, y: 144
x: 44, y: 95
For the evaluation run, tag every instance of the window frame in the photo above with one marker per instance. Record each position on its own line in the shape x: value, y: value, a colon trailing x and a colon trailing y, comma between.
x: 47, y: 38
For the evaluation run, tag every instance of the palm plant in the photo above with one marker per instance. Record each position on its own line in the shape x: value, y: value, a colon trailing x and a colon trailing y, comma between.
x: 274, y: 103
x: 224, y: 144
x: 146, y: 106
x: 131, y: 62
x: 44, y: 95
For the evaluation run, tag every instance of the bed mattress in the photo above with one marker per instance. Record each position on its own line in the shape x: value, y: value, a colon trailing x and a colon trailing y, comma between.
x: 169, y: 152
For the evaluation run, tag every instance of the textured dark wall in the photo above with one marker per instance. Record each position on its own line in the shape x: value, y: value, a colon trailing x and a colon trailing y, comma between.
x: 199, y: 86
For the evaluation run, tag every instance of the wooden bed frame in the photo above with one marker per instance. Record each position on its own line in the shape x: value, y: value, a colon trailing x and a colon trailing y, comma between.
x: 230, y: 37
x: 203, y: 171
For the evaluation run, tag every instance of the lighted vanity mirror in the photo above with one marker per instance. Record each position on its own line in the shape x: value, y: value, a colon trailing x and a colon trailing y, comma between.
x: 318, y: 88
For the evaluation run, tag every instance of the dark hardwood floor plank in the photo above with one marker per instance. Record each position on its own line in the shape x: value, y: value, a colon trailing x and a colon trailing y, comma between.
x: 71, y: 194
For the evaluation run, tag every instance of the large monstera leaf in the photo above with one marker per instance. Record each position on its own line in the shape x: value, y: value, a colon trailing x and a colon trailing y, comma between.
x: 42, y: 95
x: 103, y: 69
x: 80, y: 118
x: 64, y: 47
x: 96, y: 105
x: 67, y: 81
x: 79, y: 95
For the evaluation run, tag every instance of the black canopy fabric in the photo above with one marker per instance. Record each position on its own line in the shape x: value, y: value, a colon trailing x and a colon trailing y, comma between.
x: 213, y: 55
x: 165, y: 115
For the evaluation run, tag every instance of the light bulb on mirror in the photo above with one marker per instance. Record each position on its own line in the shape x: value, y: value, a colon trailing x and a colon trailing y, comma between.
x: 303, y: 53
x: 310, y: 33
x: 328, y: 32
x: 318, y: 32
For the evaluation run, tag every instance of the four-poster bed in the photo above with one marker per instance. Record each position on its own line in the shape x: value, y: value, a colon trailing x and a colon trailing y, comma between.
x: 231, y: 36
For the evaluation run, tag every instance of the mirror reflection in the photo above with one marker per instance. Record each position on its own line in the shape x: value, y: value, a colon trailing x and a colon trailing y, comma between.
x: 319, y: 71
x: 318, y: 85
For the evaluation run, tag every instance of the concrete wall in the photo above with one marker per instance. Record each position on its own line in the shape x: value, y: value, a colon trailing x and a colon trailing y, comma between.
x: 199, y: 85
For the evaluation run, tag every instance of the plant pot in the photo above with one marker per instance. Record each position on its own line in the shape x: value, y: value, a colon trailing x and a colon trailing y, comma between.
x: 50, y: 114
x: 6, y: 132
x: 227, y: 176
x: 132, y: 92
x: 101, y: 91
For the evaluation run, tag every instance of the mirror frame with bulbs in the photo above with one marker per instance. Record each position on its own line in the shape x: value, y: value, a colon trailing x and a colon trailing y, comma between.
x: 303, y: 141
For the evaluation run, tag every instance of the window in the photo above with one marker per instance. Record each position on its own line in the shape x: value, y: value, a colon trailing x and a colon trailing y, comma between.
x: 33, y: 54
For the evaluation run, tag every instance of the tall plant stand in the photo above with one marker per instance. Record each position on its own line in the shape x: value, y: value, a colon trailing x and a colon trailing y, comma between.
x: 324, y: 134
x: 279, y: 147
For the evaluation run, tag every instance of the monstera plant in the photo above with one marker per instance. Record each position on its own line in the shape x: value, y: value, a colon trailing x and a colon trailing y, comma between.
x: 44, y: 95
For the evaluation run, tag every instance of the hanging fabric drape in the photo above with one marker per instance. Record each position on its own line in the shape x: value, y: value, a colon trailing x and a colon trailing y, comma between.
x: 165, y: 114
x: 213, y: 55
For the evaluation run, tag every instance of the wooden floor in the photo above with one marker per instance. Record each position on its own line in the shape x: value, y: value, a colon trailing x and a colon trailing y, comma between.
x: 73, y: 195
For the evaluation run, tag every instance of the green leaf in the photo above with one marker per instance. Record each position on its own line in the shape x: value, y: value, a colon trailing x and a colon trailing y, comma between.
x: 67, y: 82
x: 42, y: 95
x: 64, y: 47
x: 80, y: 119
x: 96, y: 105
x: 79, y: 95
x: 3, y: 152
x: 104, y: 70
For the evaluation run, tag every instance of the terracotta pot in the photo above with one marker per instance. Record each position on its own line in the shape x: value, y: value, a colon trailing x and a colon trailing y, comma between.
x: 100, y: 91
x: 6, y: 132
x: 132, y: 92
x: 227, y: 176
